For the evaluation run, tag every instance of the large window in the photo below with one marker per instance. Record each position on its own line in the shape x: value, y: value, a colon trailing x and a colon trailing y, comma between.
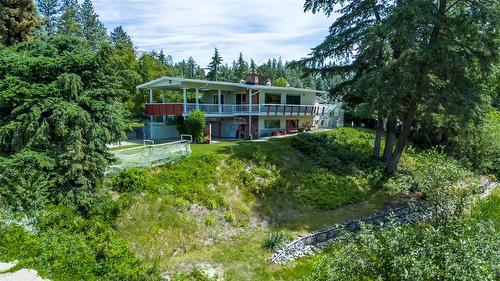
x: 241, y: 98
x: 273, y: 99
x: 292, y: 99
x: 216, y: 99
x: 272, y: 124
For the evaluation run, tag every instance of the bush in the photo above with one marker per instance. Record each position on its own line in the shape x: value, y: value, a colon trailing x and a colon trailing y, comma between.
x: 132, y: 179
x: 342, y: 150
x: 194, y: 125
x: 464, y: 250
x: 27, y: 181
x: 210, y: 221
x: 70, y: 247
x: 229, y: 216
x: 326, y: 191
x: 275, y: 240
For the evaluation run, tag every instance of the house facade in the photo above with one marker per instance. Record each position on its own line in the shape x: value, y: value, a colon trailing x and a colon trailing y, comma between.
x: 243, y: 110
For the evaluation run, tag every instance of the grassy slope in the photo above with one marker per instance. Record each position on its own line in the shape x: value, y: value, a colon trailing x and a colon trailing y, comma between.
x: 221, y: 220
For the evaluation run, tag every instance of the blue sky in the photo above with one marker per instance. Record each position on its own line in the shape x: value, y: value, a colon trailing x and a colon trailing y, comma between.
x: 261, y: 29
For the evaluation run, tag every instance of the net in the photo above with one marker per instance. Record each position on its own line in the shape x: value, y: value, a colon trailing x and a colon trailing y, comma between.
x: 150, y: 155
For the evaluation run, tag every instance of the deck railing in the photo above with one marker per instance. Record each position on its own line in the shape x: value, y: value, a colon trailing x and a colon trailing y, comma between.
x: 255, y: 109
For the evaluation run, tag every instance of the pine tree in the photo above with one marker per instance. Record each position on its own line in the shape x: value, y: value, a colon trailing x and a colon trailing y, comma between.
x: 214, y: 67
x: 17, y: 21
x: 93, y: 29
x: 241, y: 69
x: 191, y: 68
x: 49, y: 9
x: 253, y: 67
x: 120, y: 38
x: 68, y: 21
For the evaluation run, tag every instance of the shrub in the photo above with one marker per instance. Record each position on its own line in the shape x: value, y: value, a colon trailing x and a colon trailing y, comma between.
x: 26, y: 181
x: 326, y: 191
x: 275, y: 240
x: 229, y: 216
x: 341, y: 150
x: 210, y: 221
x: 70, y: 247
x: 132, y: 179
x: 194, y: 125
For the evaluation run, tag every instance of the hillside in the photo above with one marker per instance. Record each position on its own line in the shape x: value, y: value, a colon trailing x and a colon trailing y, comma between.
x: 215, y: 209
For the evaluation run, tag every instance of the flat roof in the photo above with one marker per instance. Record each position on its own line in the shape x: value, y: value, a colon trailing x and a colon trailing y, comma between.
x: 176, y: 83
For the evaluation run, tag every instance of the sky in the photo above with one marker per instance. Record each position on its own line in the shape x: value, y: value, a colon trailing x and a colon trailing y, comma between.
x: 260, y: 29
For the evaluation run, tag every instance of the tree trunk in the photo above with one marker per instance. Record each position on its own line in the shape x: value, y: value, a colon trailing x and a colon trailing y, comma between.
x: 393, y: 161
x: 390, y: 138
x: 378, y: 138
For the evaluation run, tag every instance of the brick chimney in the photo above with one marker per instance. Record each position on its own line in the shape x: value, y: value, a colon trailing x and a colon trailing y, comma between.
x: 252, y: 79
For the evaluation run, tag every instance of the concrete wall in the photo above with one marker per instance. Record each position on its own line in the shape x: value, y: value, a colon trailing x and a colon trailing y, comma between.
x: 156, y: 131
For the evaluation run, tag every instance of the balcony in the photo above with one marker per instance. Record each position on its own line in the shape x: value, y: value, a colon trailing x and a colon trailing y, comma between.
x: 236, y: 109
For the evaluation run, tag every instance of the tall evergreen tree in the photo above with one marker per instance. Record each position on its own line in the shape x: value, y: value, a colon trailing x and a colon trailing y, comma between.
x: 214, y: 67
x: 253, y: 67
x: 406, y: 57
x: 93, y: 29
x: 17, y: 21
x: 68, y: 21
x: 120, y: 38
x: 49, y: 9
x: 241, y: 68
x: 191, y: 67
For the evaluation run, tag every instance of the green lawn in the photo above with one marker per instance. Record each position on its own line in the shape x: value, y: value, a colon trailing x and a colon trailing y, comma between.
x: 217, y: 207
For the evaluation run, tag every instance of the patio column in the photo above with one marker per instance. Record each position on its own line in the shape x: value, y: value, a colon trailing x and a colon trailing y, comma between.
x: 163, y: 101
x: 184, y: 97
x: 197, y: 100
x: 250, y: 117
x: 151, y: 118
x: 219, y: 100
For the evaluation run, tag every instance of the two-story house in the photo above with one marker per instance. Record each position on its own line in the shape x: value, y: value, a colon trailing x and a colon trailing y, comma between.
x: 235, y: 110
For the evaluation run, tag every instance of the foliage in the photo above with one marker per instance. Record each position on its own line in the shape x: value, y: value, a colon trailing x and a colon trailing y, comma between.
x: 341, y: 150
x: 464, y: 250
x: 281, y: 82
x: 57, y: 99
x: 133, y: 179
x: 27, y: 181
x: 327, y: 191
x: 69, y: 247
x: 395, y: 73
x: 49, y: 10
x: 93, y: 29
x: 194, y: 125
x: 18, y: 20
x: 188, y: 179
x: 275, y: 240
x: 481, y: 147
x: 195, y: 275
x: 214, y: 67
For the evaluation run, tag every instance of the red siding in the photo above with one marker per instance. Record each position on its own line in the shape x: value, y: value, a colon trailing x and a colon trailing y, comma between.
x: 163, y: 109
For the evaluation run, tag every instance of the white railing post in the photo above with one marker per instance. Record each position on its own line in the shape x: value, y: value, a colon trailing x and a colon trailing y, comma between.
x: 184, y: 97
x: 197, y: 100
x: 219, y: 102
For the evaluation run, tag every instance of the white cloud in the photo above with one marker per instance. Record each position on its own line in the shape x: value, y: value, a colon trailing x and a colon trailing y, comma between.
x: 261, y: 29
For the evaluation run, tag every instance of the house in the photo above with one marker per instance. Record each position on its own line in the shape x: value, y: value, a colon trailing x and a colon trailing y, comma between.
x: 244, y: 110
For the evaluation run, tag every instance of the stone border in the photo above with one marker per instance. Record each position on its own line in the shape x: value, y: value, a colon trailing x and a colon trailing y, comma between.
x: 317, y: 241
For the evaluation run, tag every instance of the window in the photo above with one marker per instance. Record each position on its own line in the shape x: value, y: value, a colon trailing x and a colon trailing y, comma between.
x: 241, y: 98
x: 273, y: 99
x: 272, y: 124
x: 216, y: 99
x: 292, y: 99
